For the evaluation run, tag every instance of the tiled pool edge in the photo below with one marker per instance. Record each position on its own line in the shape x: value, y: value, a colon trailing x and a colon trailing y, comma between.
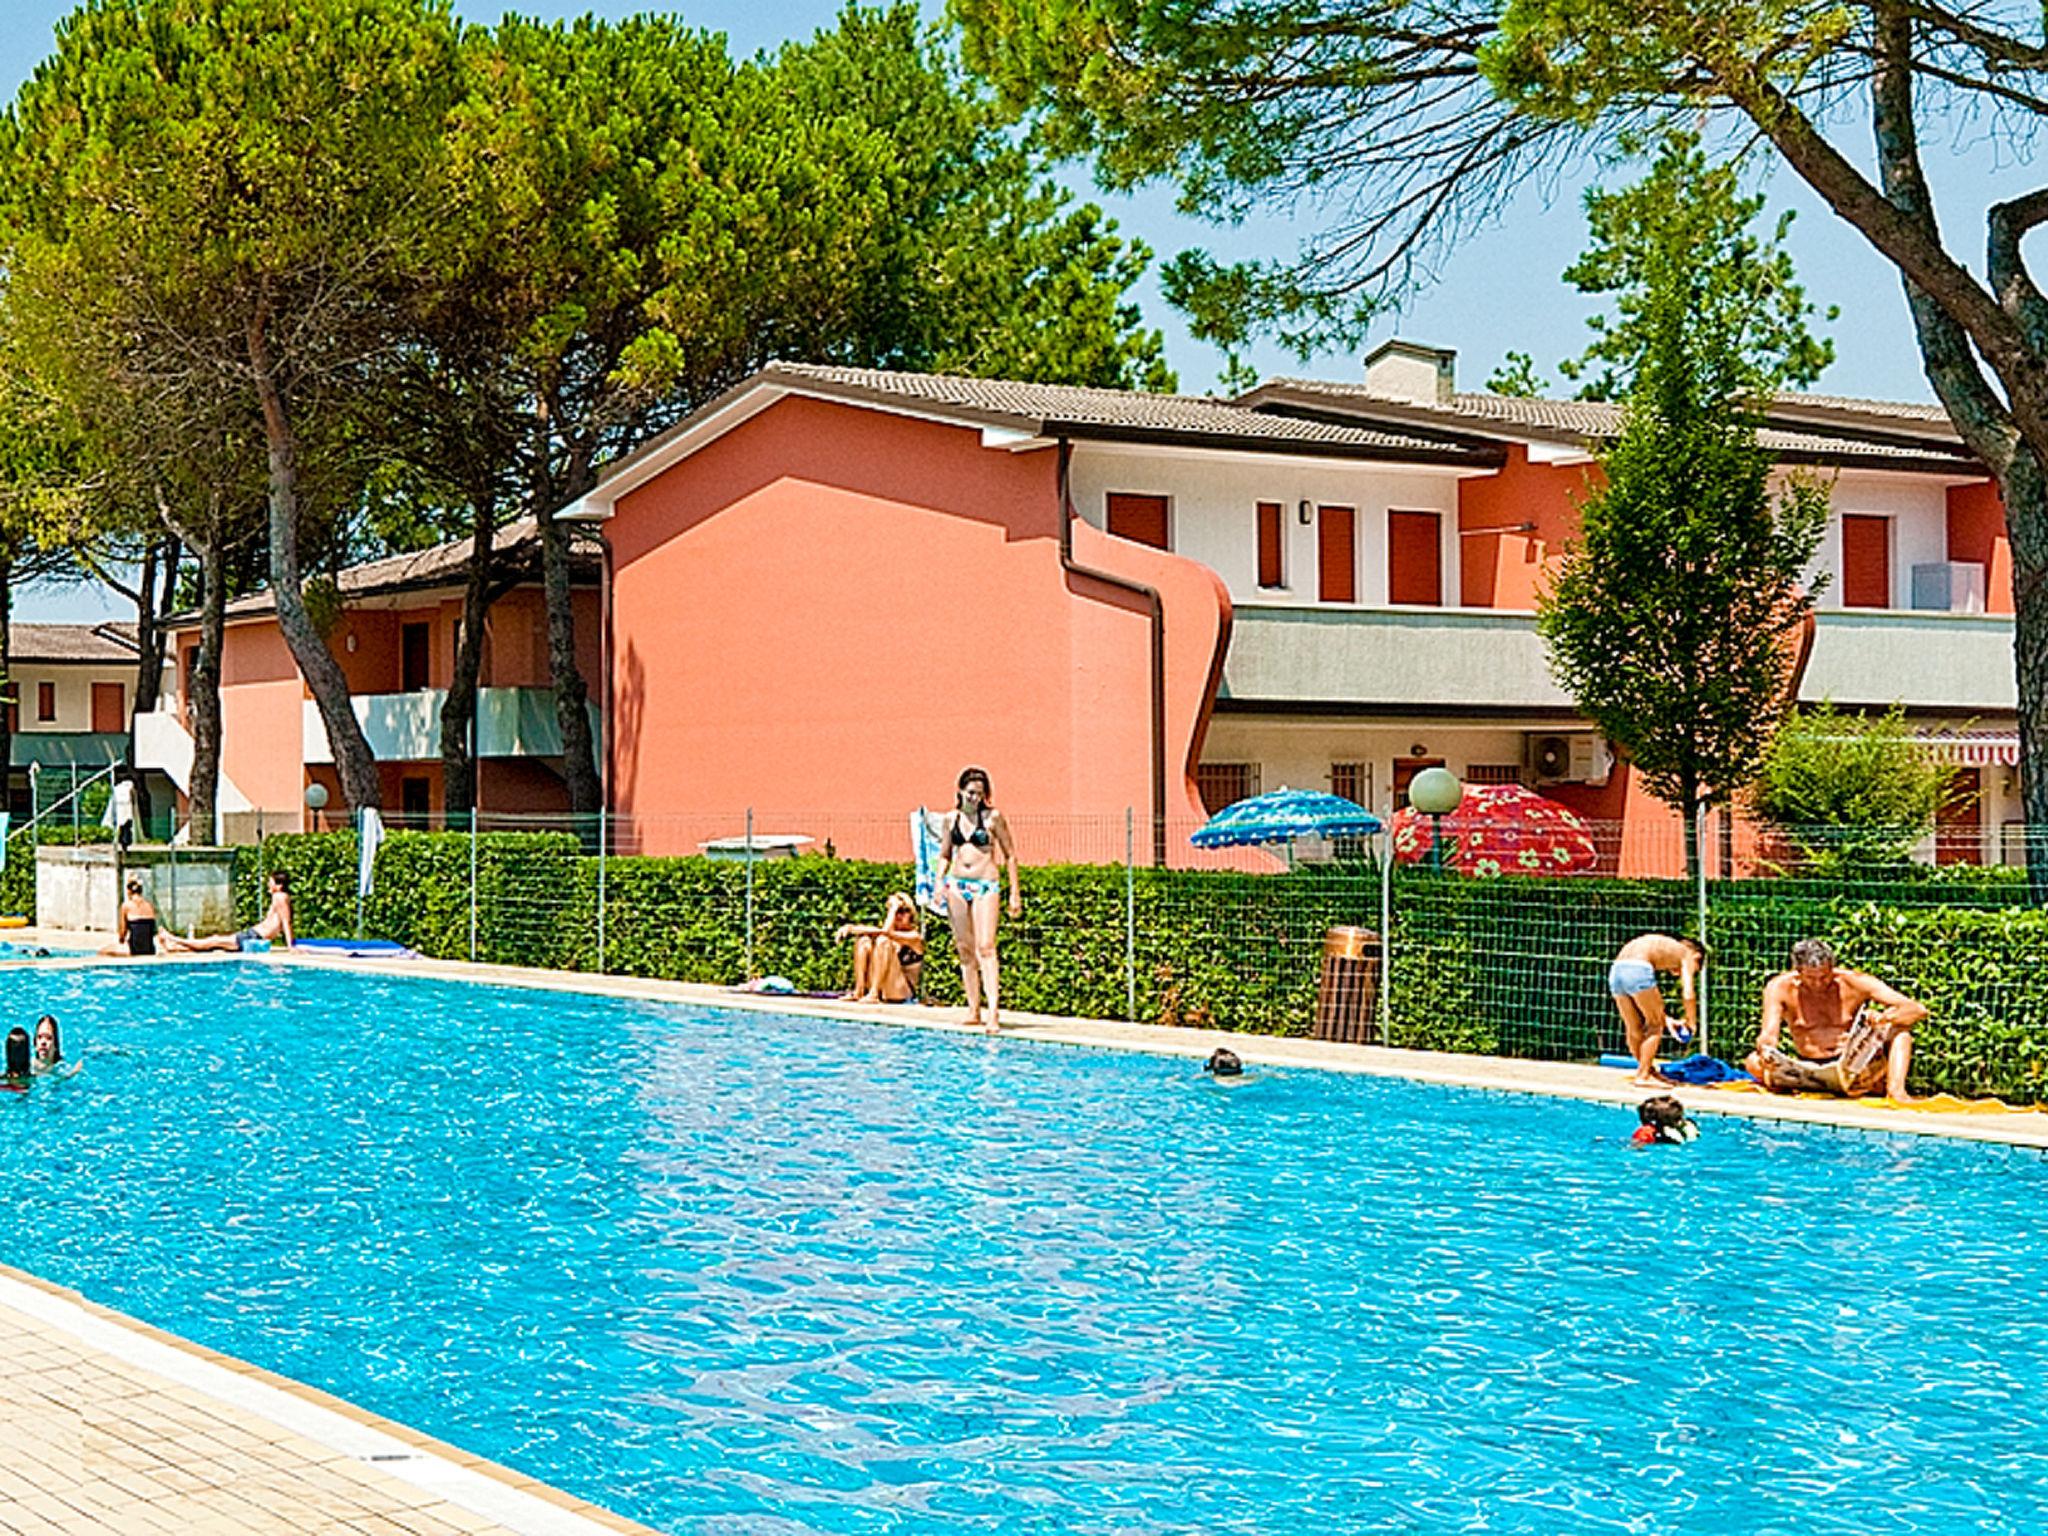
x: 507, y: 1500
x: 1493, y: 1073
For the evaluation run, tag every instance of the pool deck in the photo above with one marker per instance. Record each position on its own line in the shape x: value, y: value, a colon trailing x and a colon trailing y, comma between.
x: 122, y: 1428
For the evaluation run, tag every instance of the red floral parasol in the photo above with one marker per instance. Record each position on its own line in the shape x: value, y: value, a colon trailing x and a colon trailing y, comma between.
x: 1500, y: 829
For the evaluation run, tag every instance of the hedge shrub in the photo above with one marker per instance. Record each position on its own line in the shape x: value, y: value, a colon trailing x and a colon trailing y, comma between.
x: 1502, y: 966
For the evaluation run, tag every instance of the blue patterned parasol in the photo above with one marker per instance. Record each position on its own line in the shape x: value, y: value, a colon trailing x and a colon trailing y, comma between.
x: 1282, y: 816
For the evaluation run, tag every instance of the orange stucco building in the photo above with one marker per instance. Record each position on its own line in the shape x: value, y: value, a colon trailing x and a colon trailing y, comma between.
x: 834, y: 586
x: 395, y: 639
x: 831, y: 588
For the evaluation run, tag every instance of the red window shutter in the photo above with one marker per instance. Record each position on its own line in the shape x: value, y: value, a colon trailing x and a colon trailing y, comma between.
x: 1336, y: 555
x: 109, y: 708
x: 1866, y: 561
x: 1272, y: 523
x: 1139, y: 518
x: 1415, y: 558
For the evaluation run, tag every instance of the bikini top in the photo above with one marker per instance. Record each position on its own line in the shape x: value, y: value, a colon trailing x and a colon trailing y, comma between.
x: 978, y: 837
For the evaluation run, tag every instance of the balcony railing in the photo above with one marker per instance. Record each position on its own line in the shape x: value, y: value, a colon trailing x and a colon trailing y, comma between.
x: 1464, y: 659
x: 406, y: 727
x: 1380, y: 657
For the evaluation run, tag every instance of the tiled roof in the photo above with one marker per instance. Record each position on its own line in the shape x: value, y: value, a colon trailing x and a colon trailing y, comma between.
x: 1078, y: 411
x: 1917, y: 412
x: 515, y: 549
x: 100, y: 643
x: 1836, y: 428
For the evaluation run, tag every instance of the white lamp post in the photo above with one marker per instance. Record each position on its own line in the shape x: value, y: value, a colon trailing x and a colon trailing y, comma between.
x: 1435, y: 792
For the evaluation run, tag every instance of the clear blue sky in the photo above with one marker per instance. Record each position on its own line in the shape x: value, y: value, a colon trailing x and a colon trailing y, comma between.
x: 1501, y: 290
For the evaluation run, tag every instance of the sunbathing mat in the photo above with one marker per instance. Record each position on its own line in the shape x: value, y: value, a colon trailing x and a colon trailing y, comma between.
x: 1933, y: 1104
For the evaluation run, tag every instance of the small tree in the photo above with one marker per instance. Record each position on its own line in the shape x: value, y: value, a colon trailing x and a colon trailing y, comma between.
x: 1847, y: 791
x: 1670, y: 617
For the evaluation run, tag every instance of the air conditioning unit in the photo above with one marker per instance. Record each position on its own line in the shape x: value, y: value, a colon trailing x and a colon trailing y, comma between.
x: 1578, y: 758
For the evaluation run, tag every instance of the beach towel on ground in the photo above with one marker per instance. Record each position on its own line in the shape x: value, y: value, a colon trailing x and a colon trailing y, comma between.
x: 924, y: 852
x: 359, y: 949
x: 1703, y: 1070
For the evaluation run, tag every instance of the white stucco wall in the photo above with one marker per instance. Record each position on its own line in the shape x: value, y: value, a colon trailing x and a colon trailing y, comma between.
x: 74, y: 693
x: 1213, y: 500
x: 1918, y: 509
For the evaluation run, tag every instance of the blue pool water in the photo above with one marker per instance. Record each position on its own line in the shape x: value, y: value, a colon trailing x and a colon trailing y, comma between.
x: 730, y: 1273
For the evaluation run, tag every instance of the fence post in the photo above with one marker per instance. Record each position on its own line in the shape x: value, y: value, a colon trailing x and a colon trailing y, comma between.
x: 1700, y: 917
x: 1130, y: 914
x: 358, y: 815
x: 750, y: 892
x: 74, y: 803
x: 473, y: 819
x: 604, y: 841
x: 1385, y: 1009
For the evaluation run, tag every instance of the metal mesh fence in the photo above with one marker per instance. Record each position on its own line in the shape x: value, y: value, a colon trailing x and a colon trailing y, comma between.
x: 1243, y: 939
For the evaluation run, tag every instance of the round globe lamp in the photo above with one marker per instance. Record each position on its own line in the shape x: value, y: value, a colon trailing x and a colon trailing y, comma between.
x: 1435, y: 792
x: 316, y: 801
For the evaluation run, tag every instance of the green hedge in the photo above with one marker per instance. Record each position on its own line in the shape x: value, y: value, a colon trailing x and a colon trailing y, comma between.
x: 1507, y: 966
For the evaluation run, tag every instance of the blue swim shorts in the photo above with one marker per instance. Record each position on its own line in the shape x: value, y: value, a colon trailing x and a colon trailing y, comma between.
x: 1625, y: 978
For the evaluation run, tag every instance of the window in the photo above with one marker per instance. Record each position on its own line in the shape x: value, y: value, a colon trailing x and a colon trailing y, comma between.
x: 46, y: 701
x: 1336, y: 555
x: 1494, y: 773
x: 1866, y: 561
x: 415, y: 647
x: 1272, y: 544
x: 1415, y: 558
x: 1138, y: 518
x: 416, y: 801
x: 109, y: 708
x: 1221, y: 784
x: 1353, y: 782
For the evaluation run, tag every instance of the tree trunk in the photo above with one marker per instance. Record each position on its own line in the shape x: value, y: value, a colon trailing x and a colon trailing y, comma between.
x: 203, y: 707
x: 159, y: 572
x: 579, y: 752
x: 2024, y: 488
x: 354, y: 762
x: 458, y: 714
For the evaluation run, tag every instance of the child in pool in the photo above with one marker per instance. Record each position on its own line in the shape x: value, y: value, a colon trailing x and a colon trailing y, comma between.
x: 1662, y: 1123
x: 1226, y: 1067
x: 20, y: 1061
x: 49, y: 1048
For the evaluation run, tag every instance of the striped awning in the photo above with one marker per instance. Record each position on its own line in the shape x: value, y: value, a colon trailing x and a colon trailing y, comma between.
x: 1973, y: 749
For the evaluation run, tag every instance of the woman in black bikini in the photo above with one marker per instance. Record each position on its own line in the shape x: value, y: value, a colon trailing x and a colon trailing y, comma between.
x: 974, y: 849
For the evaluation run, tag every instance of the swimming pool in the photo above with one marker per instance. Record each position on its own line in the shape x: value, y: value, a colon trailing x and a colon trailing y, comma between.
x: 734, y: 1273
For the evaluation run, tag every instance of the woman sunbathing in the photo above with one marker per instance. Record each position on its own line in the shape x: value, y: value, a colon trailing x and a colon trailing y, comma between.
x: 888, y: 959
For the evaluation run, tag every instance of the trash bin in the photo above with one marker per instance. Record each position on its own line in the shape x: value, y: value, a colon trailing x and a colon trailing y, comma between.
x: 1349, y: 987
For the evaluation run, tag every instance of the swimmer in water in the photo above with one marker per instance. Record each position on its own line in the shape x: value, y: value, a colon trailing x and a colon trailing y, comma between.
x: 48, y: 1053
x: 1662, y: 1123
x: 1226, y: 1067
x: 20, y: 1061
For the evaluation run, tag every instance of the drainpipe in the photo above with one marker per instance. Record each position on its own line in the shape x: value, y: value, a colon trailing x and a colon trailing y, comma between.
x: 1157, y: 610
x: 604, y: 715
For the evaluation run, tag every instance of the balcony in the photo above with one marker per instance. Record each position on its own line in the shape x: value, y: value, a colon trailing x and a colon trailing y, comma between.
x: 406, y: 727
x: 1960, y: 662
x: 1379, y: 660
x: 61, y: 749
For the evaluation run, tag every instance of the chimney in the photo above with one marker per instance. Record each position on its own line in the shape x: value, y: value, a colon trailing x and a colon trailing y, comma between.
x: 1407, y: 370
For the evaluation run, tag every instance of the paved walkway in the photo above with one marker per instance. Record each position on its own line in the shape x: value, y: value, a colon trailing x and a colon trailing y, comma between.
x: 115, y: 1427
